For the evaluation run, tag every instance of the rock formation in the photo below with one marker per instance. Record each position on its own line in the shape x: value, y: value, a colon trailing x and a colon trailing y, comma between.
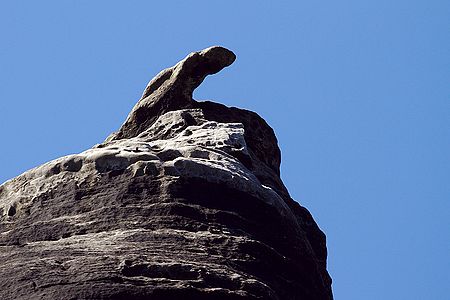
x: 184, y: 201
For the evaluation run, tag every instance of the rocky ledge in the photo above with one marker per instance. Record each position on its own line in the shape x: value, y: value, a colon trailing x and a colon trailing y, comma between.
x: 184, y: 201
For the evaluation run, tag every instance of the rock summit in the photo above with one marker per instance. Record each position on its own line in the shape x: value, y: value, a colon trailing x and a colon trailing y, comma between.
x: 184, y: 201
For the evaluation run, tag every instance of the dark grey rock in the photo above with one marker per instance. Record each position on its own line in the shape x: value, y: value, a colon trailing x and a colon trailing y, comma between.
x: 184, y: 201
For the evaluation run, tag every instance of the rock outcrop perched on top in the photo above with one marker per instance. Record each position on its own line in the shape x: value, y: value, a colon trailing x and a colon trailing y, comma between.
x: 184, y: 201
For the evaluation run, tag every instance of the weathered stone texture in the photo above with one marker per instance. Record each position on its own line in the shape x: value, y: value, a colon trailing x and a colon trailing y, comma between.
x: 184, y: 201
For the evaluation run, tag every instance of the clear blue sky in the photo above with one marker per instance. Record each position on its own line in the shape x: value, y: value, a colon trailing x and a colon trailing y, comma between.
x: 358, y: 93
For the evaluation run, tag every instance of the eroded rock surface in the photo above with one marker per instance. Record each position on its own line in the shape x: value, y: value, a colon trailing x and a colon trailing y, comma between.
x: 184, y: 201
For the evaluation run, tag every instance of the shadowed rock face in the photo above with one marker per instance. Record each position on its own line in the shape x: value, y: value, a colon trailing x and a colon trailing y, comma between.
x: 184, y: 201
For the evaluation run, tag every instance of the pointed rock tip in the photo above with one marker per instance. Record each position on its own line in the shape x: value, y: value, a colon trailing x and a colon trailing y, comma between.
x: 218, y: 55
x: 172, y: 88
x: 192, y: 70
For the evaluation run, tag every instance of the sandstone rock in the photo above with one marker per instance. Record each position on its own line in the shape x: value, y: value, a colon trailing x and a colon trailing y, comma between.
x: 184, y: 201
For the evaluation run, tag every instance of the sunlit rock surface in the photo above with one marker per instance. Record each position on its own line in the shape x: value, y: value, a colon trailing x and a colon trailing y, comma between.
x: 183, y: 201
